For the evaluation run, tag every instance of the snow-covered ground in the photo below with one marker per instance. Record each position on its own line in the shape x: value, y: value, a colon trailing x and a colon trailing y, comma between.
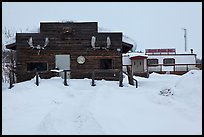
x: 79, y: 108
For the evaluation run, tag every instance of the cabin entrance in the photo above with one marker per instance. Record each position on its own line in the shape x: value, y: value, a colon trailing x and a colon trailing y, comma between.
x: 138, y: 65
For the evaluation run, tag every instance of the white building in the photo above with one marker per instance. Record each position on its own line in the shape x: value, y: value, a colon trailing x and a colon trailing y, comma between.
x: 136, y: 63
x: 159, y: 60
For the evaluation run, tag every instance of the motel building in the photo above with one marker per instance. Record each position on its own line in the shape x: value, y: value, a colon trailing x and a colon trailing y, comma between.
x: 159, y: 61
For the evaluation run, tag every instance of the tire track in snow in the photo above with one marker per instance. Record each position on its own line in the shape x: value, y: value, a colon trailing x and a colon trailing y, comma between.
x: 47, y: 125
x: 72, y: 117
x: 84, y: 120
x: 87, y: 125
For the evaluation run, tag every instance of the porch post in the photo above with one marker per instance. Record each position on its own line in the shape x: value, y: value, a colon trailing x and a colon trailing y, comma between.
x: 130, y: 76
x: 93, y: 78
x: 37, y: 78
x: 120, y: 79
x: 65, y: 78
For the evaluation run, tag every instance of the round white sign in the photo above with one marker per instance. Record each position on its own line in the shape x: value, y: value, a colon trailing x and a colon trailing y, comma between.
x: 81, y: 59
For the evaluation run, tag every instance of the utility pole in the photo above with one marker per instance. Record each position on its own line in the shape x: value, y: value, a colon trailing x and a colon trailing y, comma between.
x: 185, y: 37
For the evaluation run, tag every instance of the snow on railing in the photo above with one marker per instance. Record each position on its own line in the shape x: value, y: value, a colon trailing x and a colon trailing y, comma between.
x: 174, y: 67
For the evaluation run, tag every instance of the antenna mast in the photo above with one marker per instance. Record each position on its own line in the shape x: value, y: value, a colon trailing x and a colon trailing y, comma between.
x: 185, y: 37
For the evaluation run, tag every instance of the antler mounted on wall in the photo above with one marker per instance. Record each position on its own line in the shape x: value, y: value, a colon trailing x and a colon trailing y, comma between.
x: 108, y: 42
x: 93, y: 41
x: 107, y: 47
x: 38, y: 47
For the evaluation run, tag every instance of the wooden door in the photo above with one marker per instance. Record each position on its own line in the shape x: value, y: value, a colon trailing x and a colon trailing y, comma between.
x: 138, y: 65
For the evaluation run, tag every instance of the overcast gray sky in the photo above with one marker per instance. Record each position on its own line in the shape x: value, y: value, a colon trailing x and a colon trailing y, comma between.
x: 151, y: 25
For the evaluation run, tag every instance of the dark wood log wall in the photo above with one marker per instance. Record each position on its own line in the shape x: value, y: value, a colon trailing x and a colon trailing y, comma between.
x: 76, y: 43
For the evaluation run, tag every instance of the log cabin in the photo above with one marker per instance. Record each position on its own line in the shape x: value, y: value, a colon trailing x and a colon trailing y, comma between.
x: 76, y: 47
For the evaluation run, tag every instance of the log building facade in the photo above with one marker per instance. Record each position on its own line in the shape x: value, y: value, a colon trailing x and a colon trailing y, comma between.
x: 83, y: 48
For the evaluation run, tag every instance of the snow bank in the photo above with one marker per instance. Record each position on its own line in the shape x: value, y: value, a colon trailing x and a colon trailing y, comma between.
x: 54, y: 109
x: 188, y: 90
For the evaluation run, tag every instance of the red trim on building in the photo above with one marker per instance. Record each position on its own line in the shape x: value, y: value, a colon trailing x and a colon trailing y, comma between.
x: 138, y: 57
x: 160, y: 50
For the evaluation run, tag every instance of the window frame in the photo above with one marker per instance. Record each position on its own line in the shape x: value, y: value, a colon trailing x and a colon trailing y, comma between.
x: 169, y: 64
x: 39, y: 70
x: 105, y: 65
x: 156, y: 64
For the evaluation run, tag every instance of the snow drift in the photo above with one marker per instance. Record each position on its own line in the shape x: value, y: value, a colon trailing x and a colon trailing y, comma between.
x: 79, y: 108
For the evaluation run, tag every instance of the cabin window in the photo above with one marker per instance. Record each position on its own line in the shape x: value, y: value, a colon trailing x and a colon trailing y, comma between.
x: 152, y: 61
x: 169, y: 61
x: 106, y: 63
x: 40, y: 66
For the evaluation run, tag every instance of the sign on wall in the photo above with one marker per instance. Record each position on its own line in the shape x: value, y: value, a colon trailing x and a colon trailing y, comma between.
x: 151, y: 51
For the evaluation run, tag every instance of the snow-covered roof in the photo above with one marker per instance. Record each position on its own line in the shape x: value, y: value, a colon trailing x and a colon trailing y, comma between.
x: 131, y: 41
x: 127, y: 57
x: 125, y: 38
x: 135, y: 54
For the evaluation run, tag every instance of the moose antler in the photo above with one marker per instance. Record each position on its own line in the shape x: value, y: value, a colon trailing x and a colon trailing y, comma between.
x: 108, y: 42
x: 30, y: 42
x: 46, y: 41
x: 38, y: 47
x: 93, y: 41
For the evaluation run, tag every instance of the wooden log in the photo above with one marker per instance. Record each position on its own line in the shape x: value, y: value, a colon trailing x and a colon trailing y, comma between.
x: 130, y: 76
x: 121, y: 79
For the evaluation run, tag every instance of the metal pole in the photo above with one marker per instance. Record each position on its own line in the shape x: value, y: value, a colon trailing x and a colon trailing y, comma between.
x: 185, y: 37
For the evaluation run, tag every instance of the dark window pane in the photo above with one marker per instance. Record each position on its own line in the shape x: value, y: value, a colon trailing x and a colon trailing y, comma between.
x: 152, y: 61
x: 106, y: 63
x: 39, y: 66
x: 169, y: 61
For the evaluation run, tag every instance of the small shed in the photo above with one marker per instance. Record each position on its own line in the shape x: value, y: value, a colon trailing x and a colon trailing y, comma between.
x: 137, y: 62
